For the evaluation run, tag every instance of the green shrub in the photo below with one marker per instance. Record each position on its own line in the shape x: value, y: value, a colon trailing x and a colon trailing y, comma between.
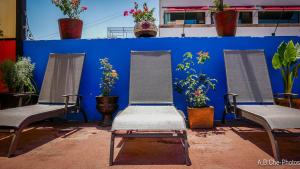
x: 19, y: 76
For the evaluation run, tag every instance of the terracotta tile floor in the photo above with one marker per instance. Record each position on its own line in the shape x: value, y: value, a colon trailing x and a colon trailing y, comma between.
x: 86, y: 146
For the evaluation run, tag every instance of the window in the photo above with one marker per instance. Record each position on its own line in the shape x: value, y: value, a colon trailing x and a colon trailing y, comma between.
x: 244, y: 18
x: 184, y: 18
x: 267, y: 17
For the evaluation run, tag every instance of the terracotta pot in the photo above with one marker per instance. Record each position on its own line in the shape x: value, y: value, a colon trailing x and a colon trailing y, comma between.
x: 70, y: 28
x: 201, y: 117
x: 107, y: 105
x: 145, y: 29
x: 226, y: 22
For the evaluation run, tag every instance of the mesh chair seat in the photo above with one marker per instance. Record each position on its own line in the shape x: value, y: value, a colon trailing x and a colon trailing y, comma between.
x: 149, y: 118
x: 277, y: 117
x: 14, y: 117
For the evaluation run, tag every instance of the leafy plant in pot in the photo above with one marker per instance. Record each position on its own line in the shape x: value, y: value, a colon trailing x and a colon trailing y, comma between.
x: 107, y: 104
x: 18, y: 77
x: 286, y: 60
x: 225, y: 20
x: 195, y: 85
x: 71, y: 27
x: 144, y: 20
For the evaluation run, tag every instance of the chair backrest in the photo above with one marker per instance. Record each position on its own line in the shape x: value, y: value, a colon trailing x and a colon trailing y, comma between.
x: 63, y: 74
x: 150, y: 78
x: 247, y: 75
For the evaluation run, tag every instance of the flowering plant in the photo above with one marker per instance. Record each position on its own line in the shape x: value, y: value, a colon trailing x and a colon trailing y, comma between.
x: 194, y: 85
x: 141, y: 15
x: 71, y: 8
x: 109, y: 77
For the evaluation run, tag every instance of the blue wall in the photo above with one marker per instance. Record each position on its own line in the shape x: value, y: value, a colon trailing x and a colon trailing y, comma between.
x: 118, y: 51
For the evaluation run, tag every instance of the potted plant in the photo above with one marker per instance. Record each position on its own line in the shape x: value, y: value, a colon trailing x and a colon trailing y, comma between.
x: 18, y: 77
x: 107, y: 104
x: 225, y: 20
x: 71, y: 27
x: 144, y: 21
x: 285, y: 60
x: 195, y: 85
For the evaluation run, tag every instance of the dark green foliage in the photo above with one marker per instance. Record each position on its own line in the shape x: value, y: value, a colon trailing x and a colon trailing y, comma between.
x: 19, y: 76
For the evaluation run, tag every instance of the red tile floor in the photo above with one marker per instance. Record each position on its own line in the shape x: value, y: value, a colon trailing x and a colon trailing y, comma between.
x: 86, y: 146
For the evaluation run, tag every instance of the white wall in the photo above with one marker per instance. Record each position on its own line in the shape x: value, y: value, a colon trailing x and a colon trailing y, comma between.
x: 241, y: 31
x: 173, y: 3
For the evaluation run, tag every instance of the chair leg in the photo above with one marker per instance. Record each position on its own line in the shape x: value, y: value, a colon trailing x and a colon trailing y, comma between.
x: 274, y: 145
x: 112, y: 145
x: 224, y: 116
x: 14, y: 142
x: 186, y: 149
x: 84, y: 115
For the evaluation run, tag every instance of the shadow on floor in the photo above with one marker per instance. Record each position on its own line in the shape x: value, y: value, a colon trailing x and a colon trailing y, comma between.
x: 209, y: 132
x: 34, y: 136
x: 289, y: 146
x: 141, y: 151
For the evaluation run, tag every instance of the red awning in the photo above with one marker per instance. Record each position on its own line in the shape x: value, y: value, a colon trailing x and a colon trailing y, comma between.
x: 193, y: 8
x: 204, y: 8
x: 242, y: 8
x: 281, y: 8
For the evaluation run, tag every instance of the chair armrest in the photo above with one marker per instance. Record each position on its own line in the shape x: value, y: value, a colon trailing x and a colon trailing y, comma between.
x: 67, y: 98
x: 69, y: 95
x: 286, y: 95
x: 230, y: 106
x: 21, y: 96
x: 24, y: 94
x: 231, y: 94
x: 289, y: 96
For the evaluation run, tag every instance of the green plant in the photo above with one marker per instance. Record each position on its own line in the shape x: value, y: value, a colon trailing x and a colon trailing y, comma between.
x: 109, y: 77
x: 194, y: 84
x: 71, y: 8
x: 7, y: 69
x: 19, y: 76
x: 285, y: 59
x: 218, y: 6
x: 141, y: 15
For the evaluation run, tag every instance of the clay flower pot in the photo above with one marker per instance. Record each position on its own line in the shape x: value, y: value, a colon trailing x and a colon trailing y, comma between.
x: 226, y: 22
x: 201, y: 117
x: 106, y: 105
x: 70, y: 28
x: 145, y: 29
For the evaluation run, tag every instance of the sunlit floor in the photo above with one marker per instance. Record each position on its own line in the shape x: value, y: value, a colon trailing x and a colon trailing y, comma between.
x: 86, y: 146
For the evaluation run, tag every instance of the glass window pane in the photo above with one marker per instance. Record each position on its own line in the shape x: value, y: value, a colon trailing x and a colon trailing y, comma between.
x: 245, y: 18
x: 186, y: 18
x: 267, y: 17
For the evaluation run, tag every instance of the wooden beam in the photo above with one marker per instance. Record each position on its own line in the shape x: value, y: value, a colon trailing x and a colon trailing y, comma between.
x: 20, y: 25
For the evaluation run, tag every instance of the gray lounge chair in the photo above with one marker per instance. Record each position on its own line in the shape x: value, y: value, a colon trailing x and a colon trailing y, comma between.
x: 248, y: 80
x: 150, y: 113
x: 59, y: 95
